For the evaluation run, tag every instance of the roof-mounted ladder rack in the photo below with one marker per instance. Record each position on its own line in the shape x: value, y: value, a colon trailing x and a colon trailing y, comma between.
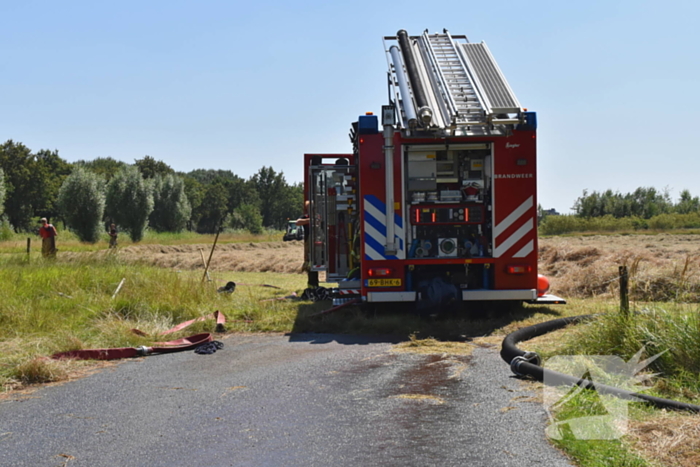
x: 464, y: 87
x: 462, y: 99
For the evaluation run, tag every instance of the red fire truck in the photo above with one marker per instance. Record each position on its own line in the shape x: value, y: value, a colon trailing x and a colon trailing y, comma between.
x: 437, y: 203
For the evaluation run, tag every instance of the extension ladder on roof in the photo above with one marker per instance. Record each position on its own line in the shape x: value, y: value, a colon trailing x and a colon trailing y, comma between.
x: 463, y: 101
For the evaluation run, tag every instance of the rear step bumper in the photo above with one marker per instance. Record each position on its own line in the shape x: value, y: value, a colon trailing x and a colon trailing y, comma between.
x: 548, y: 299
x: 529, y: 296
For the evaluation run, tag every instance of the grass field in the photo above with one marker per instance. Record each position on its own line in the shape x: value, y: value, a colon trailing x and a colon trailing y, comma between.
x: 56, y: 306
x: 11, y: 242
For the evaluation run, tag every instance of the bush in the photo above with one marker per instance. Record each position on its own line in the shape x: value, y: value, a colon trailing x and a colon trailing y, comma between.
x: 6, y: 231
x: 558, y: 225
x: 674, y: 221
x: 608, y: 223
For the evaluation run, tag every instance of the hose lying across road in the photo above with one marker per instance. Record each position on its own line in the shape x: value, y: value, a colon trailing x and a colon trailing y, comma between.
x: 528, y: 363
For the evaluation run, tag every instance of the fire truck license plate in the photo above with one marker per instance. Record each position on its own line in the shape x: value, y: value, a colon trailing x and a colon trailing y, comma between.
x: 384, y: 283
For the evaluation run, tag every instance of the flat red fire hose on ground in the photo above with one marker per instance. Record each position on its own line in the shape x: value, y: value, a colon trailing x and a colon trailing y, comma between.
x: 177, y: 345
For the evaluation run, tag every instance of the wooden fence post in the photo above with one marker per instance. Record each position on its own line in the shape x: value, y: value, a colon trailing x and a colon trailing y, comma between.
x: 204, y: 263
x: 624, y: 291
x: 206, y: 269
x: 29, y: 247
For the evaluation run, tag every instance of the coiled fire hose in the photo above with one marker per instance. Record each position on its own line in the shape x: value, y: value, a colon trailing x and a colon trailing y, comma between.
x: 524, y: 363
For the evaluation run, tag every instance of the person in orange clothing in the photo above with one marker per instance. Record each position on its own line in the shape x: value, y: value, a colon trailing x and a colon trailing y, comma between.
x: 48, y: 239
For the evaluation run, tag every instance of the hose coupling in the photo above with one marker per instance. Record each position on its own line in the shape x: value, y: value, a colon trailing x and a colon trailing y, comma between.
x: 143, y: 351
x: 533, y: 358
x: 529, y: 357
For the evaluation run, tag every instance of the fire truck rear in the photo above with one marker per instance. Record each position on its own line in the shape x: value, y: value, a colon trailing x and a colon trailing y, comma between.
x: 437, y: 203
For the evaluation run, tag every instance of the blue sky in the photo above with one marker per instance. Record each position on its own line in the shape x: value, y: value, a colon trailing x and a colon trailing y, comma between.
x: 241, y: 85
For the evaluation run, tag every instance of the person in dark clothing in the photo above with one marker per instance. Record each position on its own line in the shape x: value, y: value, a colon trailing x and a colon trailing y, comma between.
x: 305, y: 221
x: 113, y: 234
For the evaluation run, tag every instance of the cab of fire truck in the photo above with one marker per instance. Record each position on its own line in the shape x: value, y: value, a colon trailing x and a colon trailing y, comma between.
x: 437, y: 203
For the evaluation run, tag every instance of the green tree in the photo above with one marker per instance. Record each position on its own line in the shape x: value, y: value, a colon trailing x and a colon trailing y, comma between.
x: 648, y: 202
x: 32, y: 182
x: 247, y: 216
x: 643, y: 202
x: 274, y: 196
x: 81, y: 203
x: 239, y: 192
x: 588, y: 205
x: 213, y: 209
x: 17, y: 160
x: 150, y: 167
x: 3, y: 191
x: 49, y: 173
x: 687, y: 203
x: 171, y: 209
x: 194, y: 191
x: 104, y: 166
x: 209, y: 176
x: 129, y: 201
x: 293, y: 202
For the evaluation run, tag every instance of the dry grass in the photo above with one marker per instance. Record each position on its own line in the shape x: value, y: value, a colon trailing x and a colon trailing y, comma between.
x: 421, y: 397
x: 41, y: 370
x: 554, y: 342
x: 672, y: 439
x: 662, y: 267
x: 432, y: 346
x: 281, y: 257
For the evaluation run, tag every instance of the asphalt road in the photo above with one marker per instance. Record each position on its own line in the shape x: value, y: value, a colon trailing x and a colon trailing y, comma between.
x: 272, y: 400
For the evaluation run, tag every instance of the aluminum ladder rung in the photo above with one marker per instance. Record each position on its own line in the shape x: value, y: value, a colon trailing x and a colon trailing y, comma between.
x: 464, y: 98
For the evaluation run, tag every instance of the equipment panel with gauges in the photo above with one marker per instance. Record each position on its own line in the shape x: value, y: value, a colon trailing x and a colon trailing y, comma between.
x: 452, y: 214
x: 448, y: 189
x: 447, y: 231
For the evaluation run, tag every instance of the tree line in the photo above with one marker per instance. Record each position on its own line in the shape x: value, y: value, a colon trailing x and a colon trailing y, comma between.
x: 86, y: 195
x: 643, y: 203
x: 608, y: 211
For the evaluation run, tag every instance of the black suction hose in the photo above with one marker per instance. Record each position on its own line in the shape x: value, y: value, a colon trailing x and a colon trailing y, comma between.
x: 412, y: 69
x: 528, y: 363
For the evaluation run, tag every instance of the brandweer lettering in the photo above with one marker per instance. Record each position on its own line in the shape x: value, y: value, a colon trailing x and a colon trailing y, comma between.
x: 513, y: 175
